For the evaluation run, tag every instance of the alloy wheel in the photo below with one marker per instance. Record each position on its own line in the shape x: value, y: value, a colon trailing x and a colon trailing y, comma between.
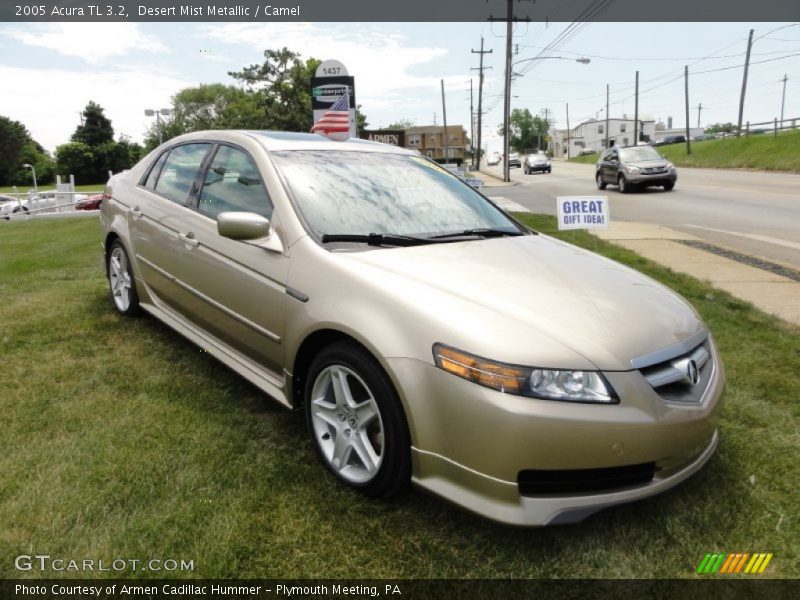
x: 119, y: 278
x: 347, y: 424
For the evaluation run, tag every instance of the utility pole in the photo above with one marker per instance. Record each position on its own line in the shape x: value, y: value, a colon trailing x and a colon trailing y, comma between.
x: 686, y: 93
x: 471, y: 124
x: 444, y: 119
x: 783, y: 100
x: 744, y: 83
x: 607, y: 92
x: 636, y: 113
x: 507, y: 100
x: 568, y: 132
x: 699, y: 110
x: 481, y: 52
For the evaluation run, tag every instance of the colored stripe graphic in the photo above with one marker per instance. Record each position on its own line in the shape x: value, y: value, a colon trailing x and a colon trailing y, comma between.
x: 765, y: 563
x: 729, y: 563
x: 737, y: 562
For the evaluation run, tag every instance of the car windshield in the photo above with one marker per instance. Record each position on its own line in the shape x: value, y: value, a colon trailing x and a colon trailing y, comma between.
x: 362, y: 193
x: 639, y: 153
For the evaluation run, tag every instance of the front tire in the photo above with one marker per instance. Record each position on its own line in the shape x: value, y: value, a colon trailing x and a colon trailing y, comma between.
x: 121, y: 283
x: 601, y: 185
x: 668, y: 187
x: 623, y: 185
x: 357, y: 422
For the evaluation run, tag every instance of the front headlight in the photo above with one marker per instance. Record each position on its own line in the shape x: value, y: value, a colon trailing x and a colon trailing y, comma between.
x: 670, y: 166
x: 631, y: 169
x: 546, y: 384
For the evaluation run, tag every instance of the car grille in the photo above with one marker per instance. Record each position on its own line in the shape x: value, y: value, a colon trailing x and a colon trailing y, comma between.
x: 673, y: 379
x: 654, y: 170
x: 543, y: 482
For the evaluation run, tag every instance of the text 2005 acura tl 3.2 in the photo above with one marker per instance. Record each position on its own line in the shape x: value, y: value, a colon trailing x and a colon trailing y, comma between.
x: 429, y: 337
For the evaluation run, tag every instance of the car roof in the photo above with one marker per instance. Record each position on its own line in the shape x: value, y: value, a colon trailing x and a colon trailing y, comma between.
x: 288, y: 140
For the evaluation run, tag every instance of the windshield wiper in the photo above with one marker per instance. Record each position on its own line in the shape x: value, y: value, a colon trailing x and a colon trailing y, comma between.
x: 378, y: 239
x: 481, y: 232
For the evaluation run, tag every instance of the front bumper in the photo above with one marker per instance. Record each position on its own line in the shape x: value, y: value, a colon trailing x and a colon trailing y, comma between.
x: 543, y: 168
x: 654, y: 179
x: 470, y: 443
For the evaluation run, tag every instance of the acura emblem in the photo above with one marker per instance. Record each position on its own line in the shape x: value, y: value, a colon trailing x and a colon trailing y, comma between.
x: 692, y: 374
x: 688, y: 369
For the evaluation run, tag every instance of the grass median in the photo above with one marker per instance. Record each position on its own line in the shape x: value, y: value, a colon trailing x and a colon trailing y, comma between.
x: 763, y: 152
x: 123, y: 440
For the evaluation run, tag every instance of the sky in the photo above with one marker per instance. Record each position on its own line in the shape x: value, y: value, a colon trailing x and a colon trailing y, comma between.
x: 50, y: 71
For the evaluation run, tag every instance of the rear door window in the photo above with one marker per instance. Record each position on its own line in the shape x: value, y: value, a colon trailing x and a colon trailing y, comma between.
x: 180, y: 171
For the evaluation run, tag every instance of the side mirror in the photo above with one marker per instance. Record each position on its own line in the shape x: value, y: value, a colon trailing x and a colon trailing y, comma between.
x: 242, y: 226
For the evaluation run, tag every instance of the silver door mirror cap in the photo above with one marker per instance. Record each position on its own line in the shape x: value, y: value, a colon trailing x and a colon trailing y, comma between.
x: 243, y: 226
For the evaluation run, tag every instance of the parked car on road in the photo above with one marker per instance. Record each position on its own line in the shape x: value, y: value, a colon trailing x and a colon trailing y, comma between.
x: 632, y: 166
x: 41, y: 202
x: 9, y: 205
x: 90, y: 202
x: 429, y: 337
x: 537, y: 162
x: 669, y: 139
x: 513, y: 159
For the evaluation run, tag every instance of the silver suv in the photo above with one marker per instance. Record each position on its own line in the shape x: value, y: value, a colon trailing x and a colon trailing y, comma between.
x: 628, y: 167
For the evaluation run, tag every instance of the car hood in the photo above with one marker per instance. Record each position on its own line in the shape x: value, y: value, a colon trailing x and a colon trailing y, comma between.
x: 604, y: 311
x: 648, y: 164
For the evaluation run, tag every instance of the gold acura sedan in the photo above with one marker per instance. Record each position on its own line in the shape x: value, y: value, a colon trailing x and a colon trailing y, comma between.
x: 429, y: 337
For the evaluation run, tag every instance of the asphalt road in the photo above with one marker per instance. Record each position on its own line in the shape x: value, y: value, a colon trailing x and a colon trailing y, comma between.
x: 754, y: 213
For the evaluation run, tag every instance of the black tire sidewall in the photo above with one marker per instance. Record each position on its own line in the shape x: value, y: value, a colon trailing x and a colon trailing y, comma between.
x: 394, y: 474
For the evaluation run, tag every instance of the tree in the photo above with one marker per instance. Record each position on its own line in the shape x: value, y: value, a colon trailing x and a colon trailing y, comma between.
x: 282, y: 86
x: 401, y: 124
x: 525, y: 130
x: 213, y: 106
x: 19, y: 148
x: 77, y: 158
x: 276, y: 95
x: 96, y: 127
x: 721, y: 128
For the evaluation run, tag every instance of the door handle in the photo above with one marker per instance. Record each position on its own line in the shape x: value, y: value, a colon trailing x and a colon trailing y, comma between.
x: 136, y: 213
x: 188, y: 239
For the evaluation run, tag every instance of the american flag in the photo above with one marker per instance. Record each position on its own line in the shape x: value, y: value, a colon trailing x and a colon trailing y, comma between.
x: 336, y: 119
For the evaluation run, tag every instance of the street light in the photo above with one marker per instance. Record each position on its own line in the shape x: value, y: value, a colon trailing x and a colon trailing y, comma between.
x: 33, y: 171
x: 510, y: 72
x: 149, y: 112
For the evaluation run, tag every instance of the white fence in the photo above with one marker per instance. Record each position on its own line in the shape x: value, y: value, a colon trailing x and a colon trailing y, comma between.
x: 45, y: 203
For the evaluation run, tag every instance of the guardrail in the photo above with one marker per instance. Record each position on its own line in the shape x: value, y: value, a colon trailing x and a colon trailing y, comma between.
x: 775, y: 125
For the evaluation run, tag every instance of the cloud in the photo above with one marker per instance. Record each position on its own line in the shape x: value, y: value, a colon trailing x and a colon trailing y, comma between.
x: 87, y: 41
x: 123, y: 93
x: 383, y: 63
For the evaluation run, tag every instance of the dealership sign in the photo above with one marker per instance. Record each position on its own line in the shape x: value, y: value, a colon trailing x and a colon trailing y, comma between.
x: 583, y: 212
x: 393, y: 137
x: 330, y: 82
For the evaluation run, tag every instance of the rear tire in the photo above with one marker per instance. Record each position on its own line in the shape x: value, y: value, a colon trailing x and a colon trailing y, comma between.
x: 356, y: 421
x: 601, y: 185
x: 121, y: 283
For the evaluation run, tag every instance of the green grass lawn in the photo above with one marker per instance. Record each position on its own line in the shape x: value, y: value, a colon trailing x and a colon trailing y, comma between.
x: 762, y: 152
x: 121, y: 439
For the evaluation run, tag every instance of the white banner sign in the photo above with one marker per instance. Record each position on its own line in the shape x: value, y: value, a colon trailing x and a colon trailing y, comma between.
x: 583, y: 212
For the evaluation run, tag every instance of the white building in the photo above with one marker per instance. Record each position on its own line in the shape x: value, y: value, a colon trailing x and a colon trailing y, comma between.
x: 591, y: 135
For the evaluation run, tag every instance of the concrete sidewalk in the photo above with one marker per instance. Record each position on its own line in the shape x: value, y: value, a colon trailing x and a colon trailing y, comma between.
x: 772, y: 293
